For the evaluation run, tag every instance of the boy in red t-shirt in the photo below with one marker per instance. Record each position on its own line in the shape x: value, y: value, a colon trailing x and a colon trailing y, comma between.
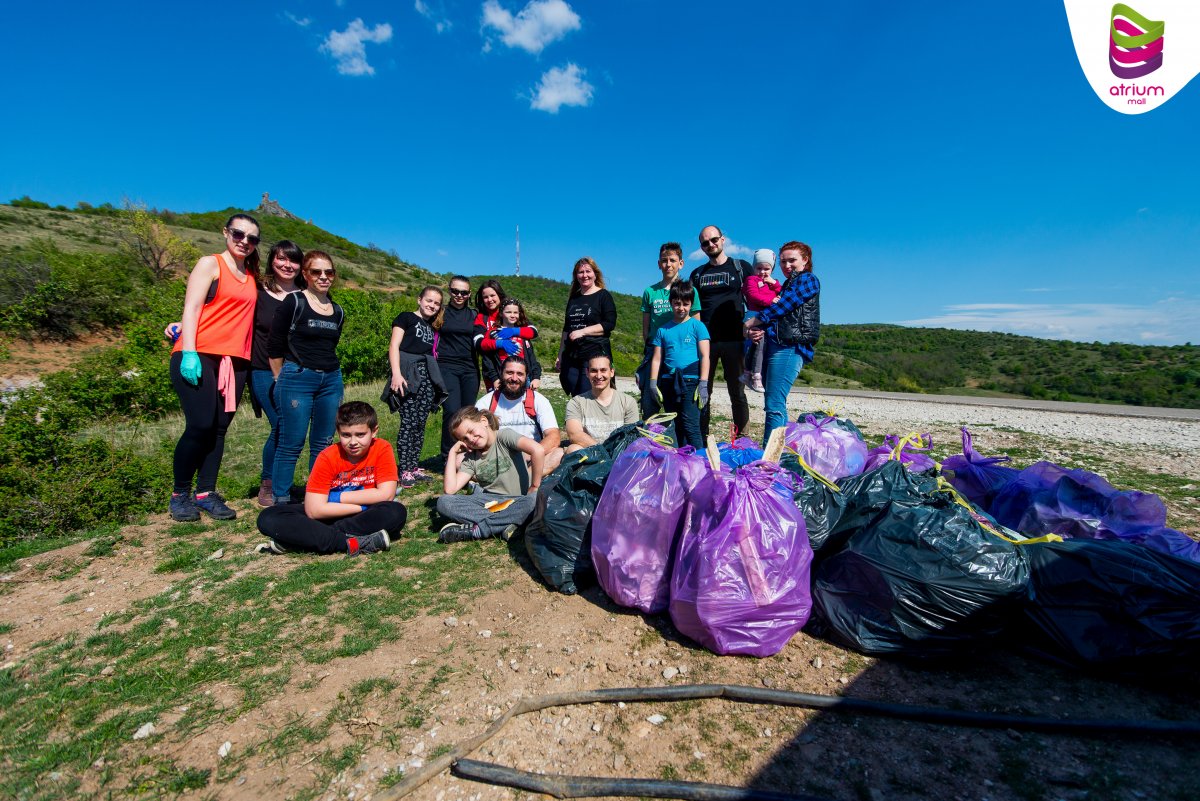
x: 348, y: 505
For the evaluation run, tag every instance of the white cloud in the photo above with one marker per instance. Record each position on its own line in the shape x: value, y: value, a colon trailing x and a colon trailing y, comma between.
x: 303, y: 22
x: 349, y: 47
x: 539, y: 23
x: 562, y: 86
x: 1168, y: 322
x: 440, y: 23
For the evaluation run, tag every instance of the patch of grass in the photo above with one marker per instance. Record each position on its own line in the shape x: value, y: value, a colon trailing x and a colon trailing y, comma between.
x: 5, y: 628
x: 1017, y: 772
x: 103, y: 546
x: 71, y: 598
x: 668, y: 772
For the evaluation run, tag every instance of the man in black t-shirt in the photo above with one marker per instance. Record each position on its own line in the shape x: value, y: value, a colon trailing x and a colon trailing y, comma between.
x: 719, y: 284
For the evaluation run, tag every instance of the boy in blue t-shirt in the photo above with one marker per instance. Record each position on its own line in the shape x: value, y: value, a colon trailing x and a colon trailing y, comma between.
x: 682, y: 345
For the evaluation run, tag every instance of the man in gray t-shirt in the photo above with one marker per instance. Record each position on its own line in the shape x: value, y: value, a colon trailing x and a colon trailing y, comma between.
x: 592, y: 416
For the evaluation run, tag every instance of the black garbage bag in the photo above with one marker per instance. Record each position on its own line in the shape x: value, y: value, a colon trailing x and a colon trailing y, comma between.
x: 558, y: 537
x: 833, y: 517
x: 822, y: 508
x: 1111, y: 605
x: 918, y: 576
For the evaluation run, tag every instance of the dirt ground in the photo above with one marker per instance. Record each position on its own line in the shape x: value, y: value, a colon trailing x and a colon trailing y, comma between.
x: 517, y: 640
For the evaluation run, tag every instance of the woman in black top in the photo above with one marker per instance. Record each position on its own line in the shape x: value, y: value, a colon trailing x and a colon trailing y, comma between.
x: 302, y: 350
x: 591, y: 317
x: 456, y: 356
x: 282, y: 279
x: 410, y: 355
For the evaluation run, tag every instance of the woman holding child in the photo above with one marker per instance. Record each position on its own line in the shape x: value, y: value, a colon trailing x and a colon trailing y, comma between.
x: 790, y: 328
x: 210, y: 364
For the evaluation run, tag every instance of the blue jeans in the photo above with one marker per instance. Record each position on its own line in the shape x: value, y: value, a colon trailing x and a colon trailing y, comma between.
x: 260, y: 385
x: 303, y: 398
x: 781, y: 365
x: 679, y: 396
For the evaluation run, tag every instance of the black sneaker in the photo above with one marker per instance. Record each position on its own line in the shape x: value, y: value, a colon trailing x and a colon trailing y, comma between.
x: 458, y: 532
x: 182, y: 509
x: 369, y: 543
x: 270, y: 547
x: 214, y: 505
x: 508, y: 531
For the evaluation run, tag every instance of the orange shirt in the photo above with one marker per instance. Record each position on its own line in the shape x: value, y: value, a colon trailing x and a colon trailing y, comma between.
x: 333, y: 470
x: 226, y: 326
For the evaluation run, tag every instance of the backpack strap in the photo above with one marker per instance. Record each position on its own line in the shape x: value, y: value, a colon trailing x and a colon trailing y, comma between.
x: 296, y: 314
x: 530, y: 404
x: 494, y: 401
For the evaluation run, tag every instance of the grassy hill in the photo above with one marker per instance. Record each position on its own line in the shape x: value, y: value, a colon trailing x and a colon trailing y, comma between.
x: 85, y: 243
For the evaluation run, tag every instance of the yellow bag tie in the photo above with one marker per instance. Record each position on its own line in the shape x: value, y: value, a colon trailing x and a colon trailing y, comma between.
x: 659, y: 419
x: 812, y: 471
x: 946, y: 487
x: 918, y: 442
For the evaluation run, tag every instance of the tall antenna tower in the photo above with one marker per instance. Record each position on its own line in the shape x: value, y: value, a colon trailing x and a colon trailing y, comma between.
x: 518, y: 272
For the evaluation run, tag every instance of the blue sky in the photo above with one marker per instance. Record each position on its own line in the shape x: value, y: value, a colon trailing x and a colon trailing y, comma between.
x: 946, y: 170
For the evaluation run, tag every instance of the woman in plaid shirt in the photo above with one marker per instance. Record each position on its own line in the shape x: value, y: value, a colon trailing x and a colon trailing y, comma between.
x: 790, y: 327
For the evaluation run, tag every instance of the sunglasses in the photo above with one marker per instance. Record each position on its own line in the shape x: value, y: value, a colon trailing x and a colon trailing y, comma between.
x: 322, y: 273
x: 237, y: 235
x: 712, y: 241
x: 460, y: 293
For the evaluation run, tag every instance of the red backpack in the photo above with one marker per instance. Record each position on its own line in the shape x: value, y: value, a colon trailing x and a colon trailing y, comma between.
x: 530, y: 407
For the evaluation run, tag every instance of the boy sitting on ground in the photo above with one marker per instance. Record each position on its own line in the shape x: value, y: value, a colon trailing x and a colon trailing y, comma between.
x: 348, y: 505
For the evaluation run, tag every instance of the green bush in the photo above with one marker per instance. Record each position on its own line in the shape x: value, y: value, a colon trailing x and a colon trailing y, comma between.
x: 53, y: 483
x: 26, y: 202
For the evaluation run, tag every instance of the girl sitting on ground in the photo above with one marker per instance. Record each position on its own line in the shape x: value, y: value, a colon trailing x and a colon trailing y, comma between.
x: 503, y: 496
x: 514, y: 338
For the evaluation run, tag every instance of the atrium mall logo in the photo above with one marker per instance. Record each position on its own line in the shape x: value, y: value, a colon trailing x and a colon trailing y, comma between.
x: 1135, y: 44
x: 1132, y: 50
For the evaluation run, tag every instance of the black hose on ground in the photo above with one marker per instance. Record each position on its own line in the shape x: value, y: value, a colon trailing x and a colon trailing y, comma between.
x: 758, y: 695
x: 593, y: 787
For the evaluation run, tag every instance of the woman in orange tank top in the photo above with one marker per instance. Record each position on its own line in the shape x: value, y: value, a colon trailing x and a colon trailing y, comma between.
x: 210, y: 364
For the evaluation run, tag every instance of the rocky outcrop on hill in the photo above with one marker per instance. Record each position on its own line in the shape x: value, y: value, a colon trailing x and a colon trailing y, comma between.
x: 271, y: 208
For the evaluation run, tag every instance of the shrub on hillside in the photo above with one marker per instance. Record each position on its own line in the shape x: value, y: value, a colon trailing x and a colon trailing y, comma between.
x: 52, y: 482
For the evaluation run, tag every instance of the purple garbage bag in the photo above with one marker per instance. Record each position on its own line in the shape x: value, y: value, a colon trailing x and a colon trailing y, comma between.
x: 1046, y: 498
x: 826, y: 447
x: 977, y: 477
x: 913, y: 455
x: 739, y: 453
x: 637, y: 520
x: 742, y: 569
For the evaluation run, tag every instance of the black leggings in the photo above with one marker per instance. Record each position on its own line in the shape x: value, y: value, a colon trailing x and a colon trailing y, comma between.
x: 291, y: 528
x: 462, y: 382
x: 729, y: 356
x: 202, y: 444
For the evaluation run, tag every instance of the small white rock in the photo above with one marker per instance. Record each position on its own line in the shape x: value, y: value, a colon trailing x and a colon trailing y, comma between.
x: 451, y: 622
x: 818, y: 663
x: 670, y: 673
x: 656, y: 720
x: 224, y: 750
x: 145, y: 731
x: 485, y: 633
x: 217, y: 554
x: 419, y: 748
x: 596, y: 727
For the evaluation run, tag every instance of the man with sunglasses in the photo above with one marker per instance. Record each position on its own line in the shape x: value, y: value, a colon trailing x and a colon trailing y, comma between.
x: 719, y: 286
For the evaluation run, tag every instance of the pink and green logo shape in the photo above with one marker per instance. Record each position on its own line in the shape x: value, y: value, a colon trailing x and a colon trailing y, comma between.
x: 1135, y: 44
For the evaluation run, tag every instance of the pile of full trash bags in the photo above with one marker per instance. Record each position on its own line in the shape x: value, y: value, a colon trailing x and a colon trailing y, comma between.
x: 882, y: 550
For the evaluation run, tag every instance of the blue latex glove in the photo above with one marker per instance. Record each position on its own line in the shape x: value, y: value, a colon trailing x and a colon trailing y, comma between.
x: 508, y: 346
x: 189, y: 368
x: 507, y: 333
x: 702, y: 394
x: 172, y: 332
x: 335, y: 496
